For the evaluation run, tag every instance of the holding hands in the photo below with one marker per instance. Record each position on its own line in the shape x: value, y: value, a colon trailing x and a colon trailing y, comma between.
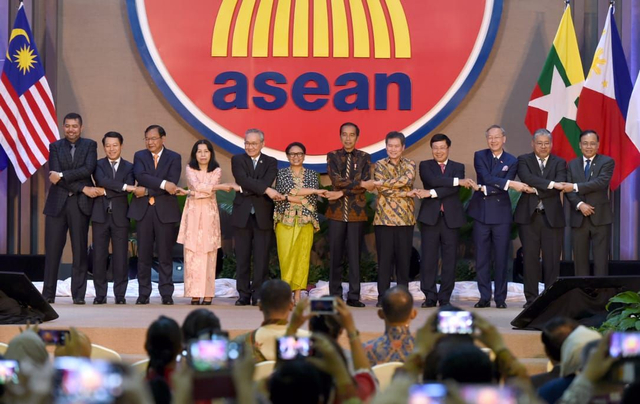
x: 420, y: 193
x: 564, y: 186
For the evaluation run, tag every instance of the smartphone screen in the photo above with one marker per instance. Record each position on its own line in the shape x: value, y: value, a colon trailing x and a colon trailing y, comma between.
x: 455, y: 322
x: 488, y: 394
x: 54, y: 337
x: 209, y: 355
x: 323, y: 306
x: 80, y: 380
x: 8, y: 372
x: 289, y: 348
x: 624, y: 345
x: 430, y: 393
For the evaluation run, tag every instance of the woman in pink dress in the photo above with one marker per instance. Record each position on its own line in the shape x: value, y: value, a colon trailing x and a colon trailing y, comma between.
x: 200, y: 225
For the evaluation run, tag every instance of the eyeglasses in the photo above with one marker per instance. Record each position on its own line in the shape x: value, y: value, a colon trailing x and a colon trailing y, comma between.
x: 295, y: 154
x: 151, y: 139
x: 252, y: 144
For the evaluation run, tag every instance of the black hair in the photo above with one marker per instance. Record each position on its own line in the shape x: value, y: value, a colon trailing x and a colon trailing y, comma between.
x: 275, y: 295
x: 328, y: 325
x: 554, y: 333
x: 297, y: 381
x: 350, y: 124
x: 466, y: 364
x: 588, y: 132
x: 439, y: 137
x: 395, y: 135
x: 73, y: 115
x: 163, y: 343
x: 294, y: 144
x: 199, y: 321
x: 160, y: 129
x: 114, y: 135
x: 193, y: 161
x: 397, y: 304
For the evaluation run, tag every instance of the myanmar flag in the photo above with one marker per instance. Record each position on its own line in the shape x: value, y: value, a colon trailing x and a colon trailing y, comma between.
x: 554, y: 100
x: 604, y: 102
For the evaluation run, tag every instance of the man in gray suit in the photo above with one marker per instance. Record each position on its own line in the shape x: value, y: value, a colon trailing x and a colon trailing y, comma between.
x: 587, y: 190
x: 72, y: 160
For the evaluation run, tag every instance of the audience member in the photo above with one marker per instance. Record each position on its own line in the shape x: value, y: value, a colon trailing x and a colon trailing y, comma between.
x: 466, y: 364
x: 163, y: 344
x: 77, y: 345
x: 553, y: 335
x: 275, y: 304
x: 199, y: 321
x: 397, y: 342
x: 27, y: 345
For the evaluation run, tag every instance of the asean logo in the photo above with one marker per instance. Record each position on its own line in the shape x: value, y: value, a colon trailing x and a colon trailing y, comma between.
x: 297, y: 69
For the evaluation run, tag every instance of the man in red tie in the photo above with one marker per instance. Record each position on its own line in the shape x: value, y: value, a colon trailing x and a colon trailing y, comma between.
x: 442, y: 215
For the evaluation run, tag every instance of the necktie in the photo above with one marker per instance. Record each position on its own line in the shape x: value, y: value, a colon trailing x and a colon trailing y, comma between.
x: 152, y: 200
x: 442, y: 167
x: 113, y: 168
x: 255, y: 163
x: 73, y: 150
x: 541, y: 165
x: 345, y: 206
x: 587, y: 167
x: 540, y: 206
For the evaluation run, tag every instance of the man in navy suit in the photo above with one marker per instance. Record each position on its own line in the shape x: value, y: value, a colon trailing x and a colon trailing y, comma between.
x: 441, y: 215
x: 490, y: 207
x: 252, y: 216
x: 155, y: 208
x: 109, y: 219
x: 68, y: 206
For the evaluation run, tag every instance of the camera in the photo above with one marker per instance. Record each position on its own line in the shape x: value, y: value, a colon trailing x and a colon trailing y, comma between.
x: 54, y: 337
x: 488, y: 394
x: 624, y: 345
x: 455, y: 322
x: 80, y: 380
x: 289, y: 348
x: 211, y: 355
x: 323, y: 305
x: 8, y: 372
x: 430, y: 393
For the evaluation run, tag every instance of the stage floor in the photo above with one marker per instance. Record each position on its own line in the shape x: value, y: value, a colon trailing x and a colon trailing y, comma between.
x: 123, y: 327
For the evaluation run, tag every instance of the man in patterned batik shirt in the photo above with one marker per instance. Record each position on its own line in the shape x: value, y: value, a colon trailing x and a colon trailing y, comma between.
x: 396, y: 343
x: 395, y: 216
x: 348, y: 168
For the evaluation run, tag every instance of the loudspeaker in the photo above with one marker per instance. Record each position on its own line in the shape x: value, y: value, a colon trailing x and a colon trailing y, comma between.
x: 581, y: 298
x: 31, y: 265
x: 22, y: 300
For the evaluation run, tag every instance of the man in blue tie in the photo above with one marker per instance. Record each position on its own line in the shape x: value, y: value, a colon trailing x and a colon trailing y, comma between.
x: 490, y: 207
x: 587, y: 190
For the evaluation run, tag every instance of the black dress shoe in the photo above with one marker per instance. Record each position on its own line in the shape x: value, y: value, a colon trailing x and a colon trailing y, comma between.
x: 142, y: 300
x: 354, y: 303
x: 121, y: 300
x: 379, y: 304
x: 501, y: 305
x: 100, y: 300
x: 429, y: 303
x: 243, y: 302
x: 444, y: 303
x: 482, y: 304
x: 79, y: 301
x: 50, y: 300
x: 167, y: 301
x: 254, y: 301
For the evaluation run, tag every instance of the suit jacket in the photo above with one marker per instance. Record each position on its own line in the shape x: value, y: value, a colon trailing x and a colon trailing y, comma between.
x: 448, y: 195
x: 76, y: 174
x: 253, y: 183
x: 169, y: 169
x: 495, y: 207
x: 555, y: 169
x: 113, y: 186
x: 593, y: 190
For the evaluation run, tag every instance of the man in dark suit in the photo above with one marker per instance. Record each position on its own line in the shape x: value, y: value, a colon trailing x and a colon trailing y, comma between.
x: 587, y: 190
x: 252, y: 216
x: 490, y: 207
x: 68, y: 206
x: 539, y: 213
x: 155, y: 208
x: 109, y: 219
x: 441, y: 214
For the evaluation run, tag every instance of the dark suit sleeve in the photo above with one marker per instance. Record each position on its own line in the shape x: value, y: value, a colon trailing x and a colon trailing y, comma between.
x: 111, y: 185
x: 561, y: 176
x: 84, y: 171
x: 489, y: 180
x: 574, y: 199
x: 253, y: 185
x: 55, y: 165
x: 445, y: 191
x: 349, y: 187
x: 601, y: 182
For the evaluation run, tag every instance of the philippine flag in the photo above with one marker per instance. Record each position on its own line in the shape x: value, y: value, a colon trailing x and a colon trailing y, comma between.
x: 604, y: 102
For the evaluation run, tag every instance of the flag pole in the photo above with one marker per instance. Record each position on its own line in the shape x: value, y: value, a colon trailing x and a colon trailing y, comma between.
x: 566, y: 3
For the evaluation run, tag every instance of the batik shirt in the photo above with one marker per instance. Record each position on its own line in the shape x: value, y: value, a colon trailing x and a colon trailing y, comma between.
x: 393, y: 346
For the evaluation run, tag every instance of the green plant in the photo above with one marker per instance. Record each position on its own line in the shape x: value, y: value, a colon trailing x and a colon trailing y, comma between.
x: 625, y: 313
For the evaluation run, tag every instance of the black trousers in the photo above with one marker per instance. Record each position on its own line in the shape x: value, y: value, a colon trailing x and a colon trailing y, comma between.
x: 251, y: 240
x: 71, y: 219
x: 393, y: 244
x: 152, y: 231
x: 341, y: 235
x: 102, y: 234
x: 438, y: 241
x: 595, y: 239
x: 537, y: 238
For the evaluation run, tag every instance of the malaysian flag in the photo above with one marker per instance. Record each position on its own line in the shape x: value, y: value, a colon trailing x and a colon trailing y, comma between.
x: 28, y: 117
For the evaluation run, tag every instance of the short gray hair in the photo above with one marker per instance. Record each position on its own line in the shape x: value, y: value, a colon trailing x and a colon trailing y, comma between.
x: 542, y: 132
x: 486, y: 133
x: 258, y: 131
